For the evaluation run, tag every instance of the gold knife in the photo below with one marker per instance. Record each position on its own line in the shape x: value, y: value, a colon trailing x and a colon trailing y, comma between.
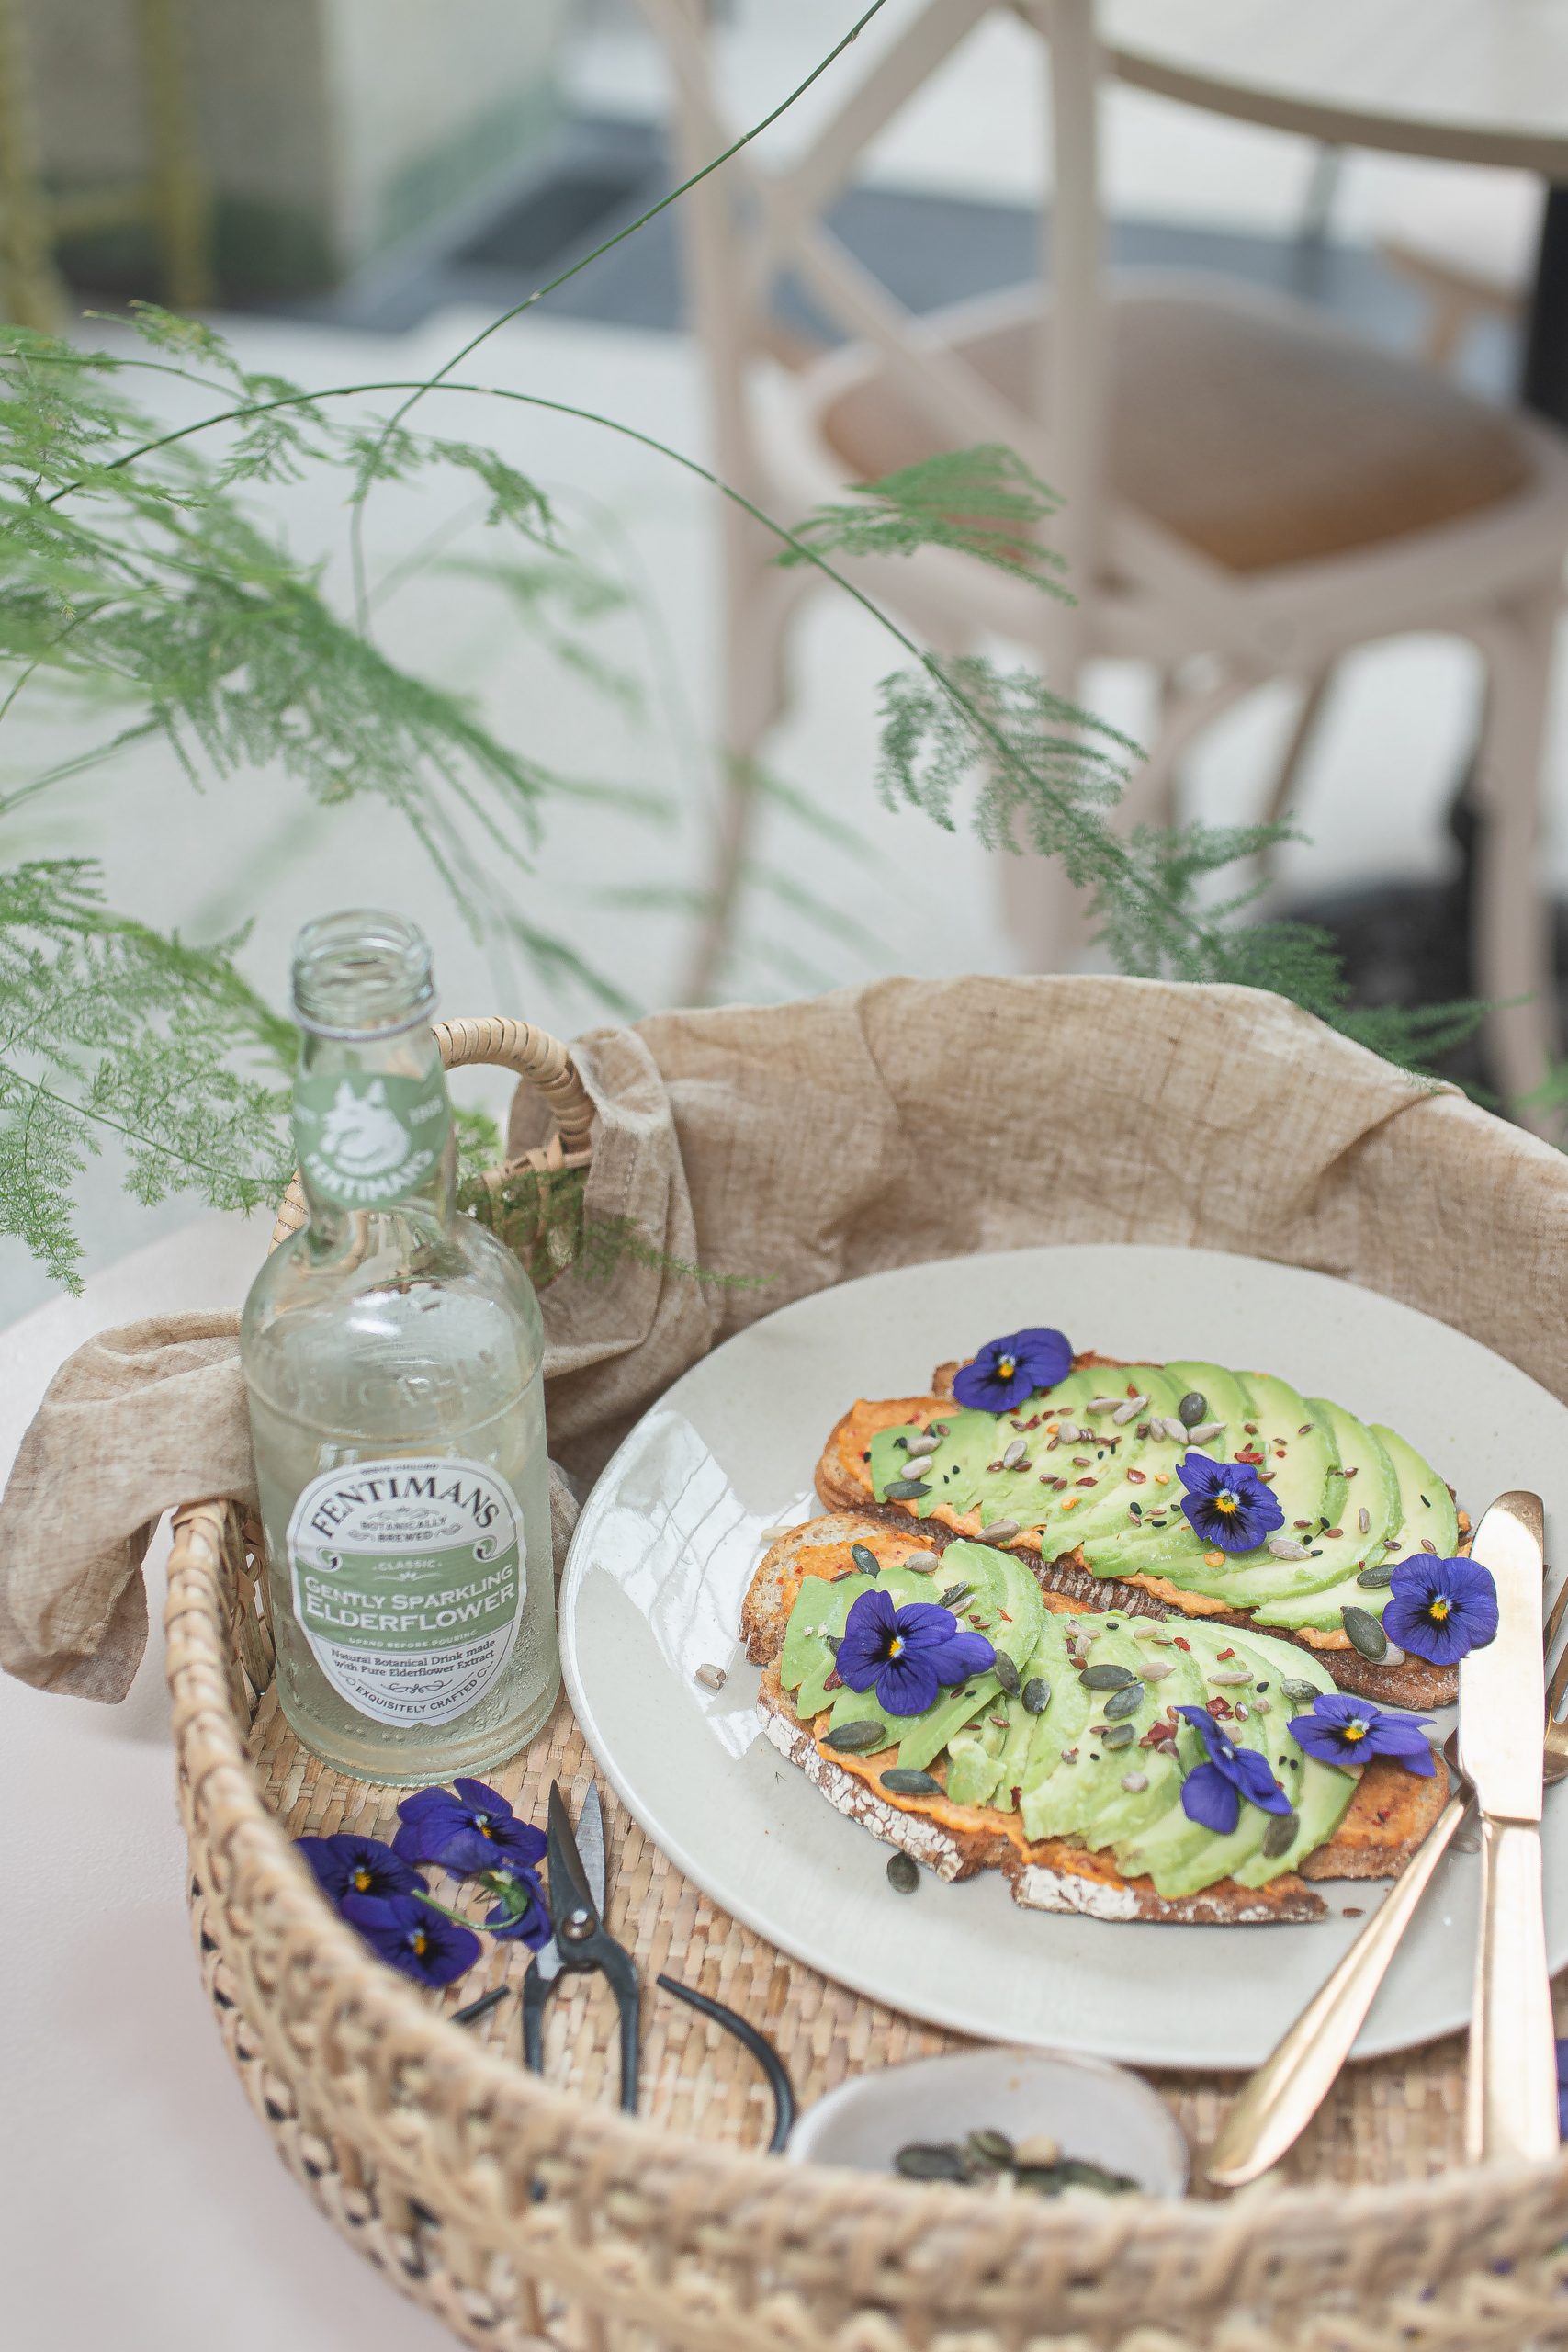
x: 1511, y: 2088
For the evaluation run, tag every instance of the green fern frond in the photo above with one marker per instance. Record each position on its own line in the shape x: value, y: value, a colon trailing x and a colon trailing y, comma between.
x: 983, y: 501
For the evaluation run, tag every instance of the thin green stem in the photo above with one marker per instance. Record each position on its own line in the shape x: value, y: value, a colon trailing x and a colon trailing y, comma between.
x: 608, y: 245
x: 101, y: 1118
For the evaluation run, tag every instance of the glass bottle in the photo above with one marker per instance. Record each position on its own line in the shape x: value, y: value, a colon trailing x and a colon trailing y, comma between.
x: 392, y: 1351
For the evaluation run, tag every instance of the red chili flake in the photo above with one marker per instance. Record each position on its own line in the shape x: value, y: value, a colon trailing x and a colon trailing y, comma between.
x: 1382, y: 1816
x: 1221, y: 1655
x: 1005, y: 1618
x: 835, y: 1682
x: 1137, y: 1478
x: 1178, y: 1643
x: 1015, y: 1794
x: 1131, y: 1388
x: 1220, y: 1708
x: 1143, y: 1429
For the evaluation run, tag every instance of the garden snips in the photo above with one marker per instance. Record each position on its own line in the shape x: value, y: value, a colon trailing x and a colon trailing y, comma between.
x: 575, y: 1862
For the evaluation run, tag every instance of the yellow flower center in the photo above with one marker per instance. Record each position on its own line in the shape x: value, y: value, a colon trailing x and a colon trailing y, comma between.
x: 896, y: 1647
x: 1355, y: 1730
x: 1007, y: 1366
x: 1225, y: 1500
x: 361, y: 1880
x: 421, y: 1944
x: 1440, y: 1608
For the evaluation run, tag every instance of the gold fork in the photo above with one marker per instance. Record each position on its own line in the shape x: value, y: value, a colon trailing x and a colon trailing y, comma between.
x: 1281, y: 2099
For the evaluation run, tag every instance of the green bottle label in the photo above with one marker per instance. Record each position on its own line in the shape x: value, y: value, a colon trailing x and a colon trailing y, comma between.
x: 408, y: 1576
x: 366, y: 1139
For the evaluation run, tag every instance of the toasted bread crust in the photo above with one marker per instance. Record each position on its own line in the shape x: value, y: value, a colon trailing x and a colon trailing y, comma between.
x: 1388, y: 1817
x: 844, y: 1485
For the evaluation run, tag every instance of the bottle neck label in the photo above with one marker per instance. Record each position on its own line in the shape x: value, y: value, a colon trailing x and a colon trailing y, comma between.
x: 367, y: 1139
x: 408, y: 1576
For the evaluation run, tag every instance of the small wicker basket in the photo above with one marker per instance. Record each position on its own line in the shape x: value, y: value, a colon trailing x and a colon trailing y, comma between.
x: 528, y: 2213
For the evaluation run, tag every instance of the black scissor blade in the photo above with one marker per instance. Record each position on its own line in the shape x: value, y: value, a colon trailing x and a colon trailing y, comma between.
x: 569, y: 1890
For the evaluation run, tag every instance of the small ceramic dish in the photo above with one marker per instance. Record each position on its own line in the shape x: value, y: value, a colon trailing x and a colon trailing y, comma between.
x: 1093, y: 2111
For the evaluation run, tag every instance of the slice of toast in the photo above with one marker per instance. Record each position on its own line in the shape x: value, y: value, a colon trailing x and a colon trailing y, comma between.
x: 843, y: 1482
x: 1388, y: 1817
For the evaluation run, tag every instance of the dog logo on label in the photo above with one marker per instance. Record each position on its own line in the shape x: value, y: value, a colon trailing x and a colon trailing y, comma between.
x: 362, y: 1134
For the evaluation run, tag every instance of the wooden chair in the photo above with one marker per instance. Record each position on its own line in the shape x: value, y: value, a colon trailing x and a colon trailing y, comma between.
x: 1249, y: 490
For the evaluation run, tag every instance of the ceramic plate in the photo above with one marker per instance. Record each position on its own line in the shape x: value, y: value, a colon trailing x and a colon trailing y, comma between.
x: 672, y: 1532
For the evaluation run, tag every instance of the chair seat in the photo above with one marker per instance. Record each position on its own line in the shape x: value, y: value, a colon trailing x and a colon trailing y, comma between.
x: 1251, y: 431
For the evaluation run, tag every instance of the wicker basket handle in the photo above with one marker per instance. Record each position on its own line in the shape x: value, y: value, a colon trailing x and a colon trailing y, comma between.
x: 533, y: 1055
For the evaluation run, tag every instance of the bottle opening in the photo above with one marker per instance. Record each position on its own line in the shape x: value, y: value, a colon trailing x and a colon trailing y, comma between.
x: 362, y: 974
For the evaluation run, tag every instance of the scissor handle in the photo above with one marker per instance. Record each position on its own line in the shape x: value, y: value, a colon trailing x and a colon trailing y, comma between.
x: 599, y: 1953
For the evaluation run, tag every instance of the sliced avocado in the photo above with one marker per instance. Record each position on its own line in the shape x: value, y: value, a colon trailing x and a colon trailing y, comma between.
x: 1082, y: 1513
x: 1056, y: 1806
x: 1121, y: 1813
x: 974, y: 1754
x: 1333, y: 1553
x: 1015, y: 1749
x: 820, y: 1608
x: 1069, y: 1712
x: 1322, y: 1795
x: 1426, y: 1510
x: 1226, y: 1398
x: 1179, y: 1854
x: 959, y: 1473
x: 1007, y: 1608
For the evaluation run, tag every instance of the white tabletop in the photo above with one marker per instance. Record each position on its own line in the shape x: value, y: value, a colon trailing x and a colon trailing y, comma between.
x: 1475, y: 80
x: 140, y: 2204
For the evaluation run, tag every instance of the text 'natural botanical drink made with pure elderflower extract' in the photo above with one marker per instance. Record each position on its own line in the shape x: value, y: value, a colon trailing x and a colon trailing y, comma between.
x: 391, y: 1353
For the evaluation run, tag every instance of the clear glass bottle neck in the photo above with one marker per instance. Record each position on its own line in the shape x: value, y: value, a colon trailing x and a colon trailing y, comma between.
x: 373, y: 1132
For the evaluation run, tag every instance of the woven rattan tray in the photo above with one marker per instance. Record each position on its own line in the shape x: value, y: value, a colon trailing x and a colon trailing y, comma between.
x: 529, y: 2213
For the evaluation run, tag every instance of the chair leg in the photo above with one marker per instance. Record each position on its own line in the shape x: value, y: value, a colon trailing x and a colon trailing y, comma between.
x: 1513, y: 947
x: 1301, y: 737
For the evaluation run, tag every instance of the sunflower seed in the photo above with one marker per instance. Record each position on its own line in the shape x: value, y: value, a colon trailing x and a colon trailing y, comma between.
x: 1230, y: 1674
x: 953, y: 1595
x: 1393, y: 1655
x: 1281, y: 1833
x: 1101, y: 1403
x: 1125, y: 1701
x: 1135, y: 1783
x: 1036, y: 1694
x: 1130, y: 1411
x: 903, y: 1874
x: 943, y: 2161
x: 999, y: 1530
x: 1116, y: 1734
x: 859, y: 1737
x: 865, y: 1560
x: 1036, y: 2149
x: 925, y: 1443
x: 905, y: 1490
x: 1107, y: 1678
x: 1153, y: 1629
x: 1006, y: 1673
x: 1177, y: 1431
x: 1192, y: 1407
x: 1376, y: 1573
x: 1013, y: 1454
x: 904, y: 1780
x: 1364, y: 1519
x: 1300, y: 1694
x: 1366, y: 1633
x: 1156, y: 1669
x: 1285, y: 1547
x: 712, y: 1678
x: 1207, y: 1432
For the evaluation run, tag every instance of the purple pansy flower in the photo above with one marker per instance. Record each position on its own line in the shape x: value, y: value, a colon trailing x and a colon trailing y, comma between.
x: 1562, y: 2089
x: 1441, y: 1609
x: 1226, y: 1503
x: 909, y: 1654
x: 1211, y: 1792
x: 1008, y: 1370
x: 470, y: 1831
x: 347, y: 1864
x: 1342, y: 1730
x: 519, y: 1916
x: 414, y: 1936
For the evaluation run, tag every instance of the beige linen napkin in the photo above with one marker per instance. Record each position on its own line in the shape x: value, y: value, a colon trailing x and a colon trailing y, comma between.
x: 802, y: 1145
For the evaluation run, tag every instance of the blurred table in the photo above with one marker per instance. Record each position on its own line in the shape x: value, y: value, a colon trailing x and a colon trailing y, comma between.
x: 140, y: 2203
x: 1465, y: 81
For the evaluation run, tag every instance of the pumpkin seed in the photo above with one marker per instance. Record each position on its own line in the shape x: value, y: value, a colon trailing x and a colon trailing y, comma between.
x: 865, y: 1560
x: 1193, y: 1409
x: 940, y: 2161
x: 1300, y: 1693
x: 1366, y: 1633
x: 922, y: 1564
x: 903, y: 1877
x: 990, y: 2148
x: 904, y: 1780
x: 1006, y: 1673
x: 1013, y: 1454
x: 1107, y: 1678
x: 1036, y: 1694
x: 905, y: 1490
x: 998, y: 1531
x: 1125, y: 1702
x: 953, y: 1595
x: 1281, y: 1833
x: 1117, y: 1735
x: 859, y: 1737
x: 1375, y: 1574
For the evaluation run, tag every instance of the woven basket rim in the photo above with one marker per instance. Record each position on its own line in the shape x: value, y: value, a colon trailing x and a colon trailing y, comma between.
x: 349, y: 1980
